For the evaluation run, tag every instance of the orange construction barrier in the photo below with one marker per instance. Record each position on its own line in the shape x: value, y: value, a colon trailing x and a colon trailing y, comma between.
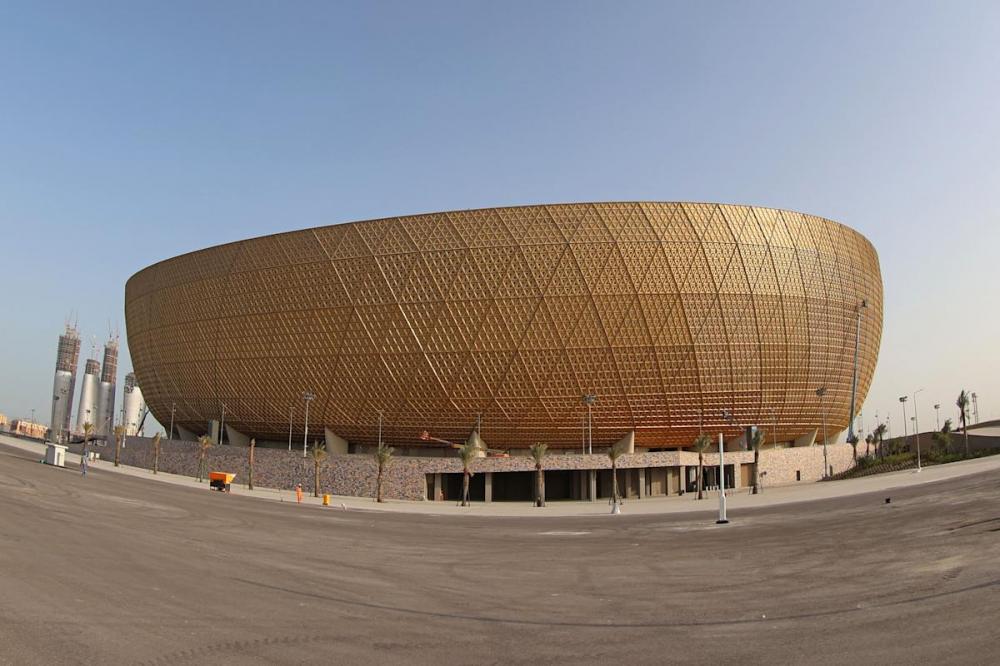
x: 298, y: 493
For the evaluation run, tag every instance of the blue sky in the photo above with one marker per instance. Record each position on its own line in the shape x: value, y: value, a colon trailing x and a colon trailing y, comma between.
x: 134, y: 131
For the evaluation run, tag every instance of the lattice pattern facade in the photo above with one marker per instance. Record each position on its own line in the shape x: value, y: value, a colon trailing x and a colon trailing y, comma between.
x: 668, y: 312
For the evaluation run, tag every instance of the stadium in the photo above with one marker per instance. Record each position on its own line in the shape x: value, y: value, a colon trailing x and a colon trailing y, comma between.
x: 502, y: 320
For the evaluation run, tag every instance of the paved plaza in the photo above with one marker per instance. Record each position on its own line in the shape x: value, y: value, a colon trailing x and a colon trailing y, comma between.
x: 114, y: 568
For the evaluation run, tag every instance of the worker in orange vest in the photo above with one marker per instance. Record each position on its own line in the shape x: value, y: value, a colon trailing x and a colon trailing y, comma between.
x: 298, y: 493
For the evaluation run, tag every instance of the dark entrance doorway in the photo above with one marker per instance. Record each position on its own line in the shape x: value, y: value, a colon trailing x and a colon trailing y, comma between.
x: 513, y: 486
x: 453, y: 487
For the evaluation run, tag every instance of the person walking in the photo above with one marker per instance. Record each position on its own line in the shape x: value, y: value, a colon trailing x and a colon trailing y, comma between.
x: 83, y: 458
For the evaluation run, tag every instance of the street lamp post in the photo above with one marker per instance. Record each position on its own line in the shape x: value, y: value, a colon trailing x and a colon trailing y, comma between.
x: 290, y: 410
x: 173, y: 406
x: 589, y: 399
x: 854, y: 379
x: 902, y: 400
x: 308, y: 397
x: 937, y: 416
x: 222, y: 425
x: 727, y: 416
x: 821, y: 392
x: 916, y: 425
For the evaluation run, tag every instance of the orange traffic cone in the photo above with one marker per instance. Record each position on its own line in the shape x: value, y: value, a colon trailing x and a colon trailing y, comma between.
x: 298, y: 493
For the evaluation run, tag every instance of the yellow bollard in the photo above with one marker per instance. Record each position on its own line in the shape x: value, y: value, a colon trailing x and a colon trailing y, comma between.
x: 326, y: 500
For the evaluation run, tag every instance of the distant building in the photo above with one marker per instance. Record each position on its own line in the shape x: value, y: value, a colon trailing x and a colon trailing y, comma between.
x: 132, y: 405
x: 64, y: 382
x: 29, y: 429
x: 88, y: 412
x: 106, y: 389
x: 4, y: 422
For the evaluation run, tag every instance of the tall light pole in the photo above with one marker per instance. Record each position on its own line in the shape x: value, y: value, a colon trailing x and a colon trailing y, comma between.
x: 902, y: 400
x: 937, y: 416
x: 854, y: 381
x: 727, y: 416
x: 173, y: 407
x: 975, y: 405
x: 774, y: 415
x: 308, y: 397
x: 222, y: 425
x: 916, y: 425
x: 821, y: 392
x: 589, y: 399
x: 290, y: 410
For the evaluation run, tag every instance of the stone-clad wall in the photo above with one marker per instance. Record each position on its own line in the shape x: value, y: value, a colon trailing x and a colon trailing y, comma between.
x: 355, y: 474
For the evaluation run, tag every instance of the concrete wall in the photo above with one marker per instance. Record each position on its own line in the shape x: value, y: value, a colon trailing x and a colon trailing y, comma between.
x: 355, y: 474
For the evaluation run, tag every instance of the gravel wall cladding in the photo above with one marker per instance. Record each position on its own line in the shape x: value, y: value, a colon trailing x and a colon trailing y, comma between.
x: 355, y: 475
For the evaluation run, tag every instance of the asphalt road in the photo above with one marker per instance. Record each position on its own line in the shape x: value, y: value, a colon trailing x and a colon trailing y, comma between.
x: 114, y: 569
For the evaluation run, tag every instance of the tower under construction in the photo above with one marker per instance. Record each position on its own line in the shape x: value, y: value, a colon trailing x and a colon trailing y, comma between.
x: 64, y: 383
x: 106, y: 390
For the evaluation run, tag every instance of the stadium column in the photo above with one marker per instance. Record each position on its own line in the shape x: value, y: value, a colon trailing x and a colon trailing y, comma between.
x: 592, y: 479
x: 488, y: 490
x: 682, y: 480
x: 334, y: 443
x: 642, y: 482
x: 235, y: 437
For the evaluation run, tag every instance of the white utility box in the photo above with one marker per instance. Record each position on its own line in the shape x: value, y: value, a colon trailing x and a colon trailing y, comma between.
x: 55, y: 454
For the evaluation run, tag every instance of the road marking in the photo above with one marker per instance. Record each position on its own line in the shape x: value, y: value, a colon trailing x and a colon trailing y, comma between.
x: 558, y: 533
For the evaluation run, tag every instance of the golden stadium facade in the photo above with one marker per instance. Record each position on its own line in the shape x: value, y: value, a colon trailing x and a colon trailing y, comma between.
x: 668, y: 313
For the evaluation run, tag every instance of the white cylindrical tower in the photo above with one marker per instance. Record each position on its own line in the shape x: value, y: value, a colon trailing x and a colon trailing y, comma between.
x: 105, y: 408
x: 89, y: 387
x: 106, y: 391
x: 62, y: 403
x: 133, y: 405
x: 67, y: 357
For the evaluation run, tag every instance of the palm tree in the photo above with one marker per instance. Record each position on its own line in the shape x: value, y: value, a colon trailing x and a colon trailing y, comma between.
x: 880, y: 431
x: 467, y: 452
x: 88, y: 428
x: 156, y: 453
x: 383, y: 454
x: 614, y: 453
x: 963, y: 409
x: 119, y: 439
x: 869, y: 439
x: 204, y: 444
x: 756, y: 442
x: 947, y: 427
x: 253, y: 444
x: 853, y: 441
x: 701, y: 445
x: 538, y: 453
x: 318, y: 455
x: 943, y: 440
